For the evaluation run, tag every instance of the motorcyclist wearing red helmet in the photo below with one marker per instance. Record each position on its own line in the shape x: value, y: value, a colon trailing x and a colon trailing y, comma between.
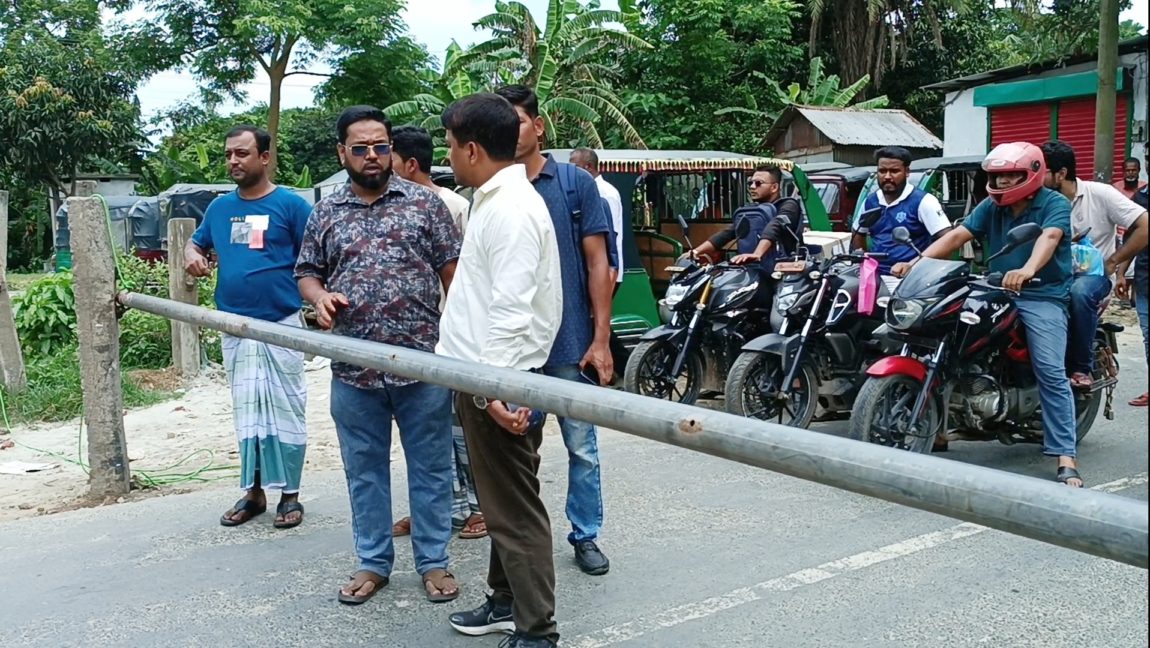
x: 1015, y: 174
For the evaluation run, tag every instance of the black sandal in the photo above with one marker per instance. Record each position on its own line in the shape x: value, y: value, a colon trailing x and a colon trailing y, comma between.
x: 243, y: 506
x: 283, y: 509
x: 1066, y: 473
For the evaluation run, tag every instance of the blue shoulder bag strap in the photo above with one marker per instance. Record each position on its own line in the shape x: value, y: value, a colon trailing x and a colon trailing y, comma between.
x: 569, y: 185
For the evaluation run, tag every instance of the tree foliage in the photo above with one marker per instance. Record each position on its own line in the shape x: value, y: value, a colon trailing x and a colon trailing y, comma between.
x: 708, y: 55
x: 225, y: 42
x: 67, y: 104
x: 568, y: 61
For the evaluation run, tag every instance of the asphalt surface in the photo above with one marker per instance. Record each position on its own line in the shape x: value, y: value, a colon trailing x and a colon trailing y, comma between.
x: 704, y: 553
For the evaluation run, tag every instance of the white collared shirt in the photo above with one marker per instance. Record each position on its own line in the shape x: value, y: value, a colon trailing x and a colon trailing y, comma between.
x: 506, y: 300
x: 457, y: 205
x: 1102, y: 209
x: 615, y: 203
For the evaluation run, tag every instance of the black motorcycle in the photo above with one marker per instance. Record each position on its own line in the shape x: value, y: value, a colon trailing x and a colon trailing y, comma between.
x: 964, y: 371
x: 787, y: 377
x: 712, y: 311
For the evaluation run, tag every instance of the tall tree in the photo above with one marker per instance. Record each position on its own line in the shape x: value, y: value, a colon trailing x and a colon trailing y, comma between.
x: 869, y: 37
x: 406, y: 66
x: 67, y: 104
x: 225, y: 42
x: 569, y: 62
x: 708, y: 55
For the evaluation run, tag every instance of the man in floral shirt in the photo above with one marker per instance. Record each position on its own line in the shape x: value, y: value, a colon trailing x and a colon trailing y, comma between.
x: 373, y: 256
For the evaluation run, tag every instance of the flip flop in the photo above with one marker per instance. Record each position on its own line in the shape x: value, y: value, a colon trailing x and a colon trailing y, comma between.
x: 369, y: 577
x: 1141, y: 401
x: 437, y: 577
x: 283, y: 509
x: 243, y: 506
x: 1066, y: 473
x: 468, y: 531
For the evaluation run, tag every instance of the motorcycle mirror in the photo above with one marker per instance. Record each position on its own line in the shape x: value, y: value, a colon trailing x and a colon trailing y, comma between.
x: 901, y: 235
x: 868, y: 218
x: 1018, y: 237
x: 1023, y: 234
x: 1081, y: 235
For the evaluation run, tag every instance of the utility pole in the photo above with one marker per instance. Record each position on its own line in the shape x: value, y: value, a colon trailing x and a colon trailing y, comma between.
x: 1105, y: 103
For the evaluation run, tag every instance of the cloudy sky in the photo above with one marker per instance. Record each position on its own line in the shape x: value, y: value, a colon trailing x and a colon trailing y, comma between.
x: 435, y: 23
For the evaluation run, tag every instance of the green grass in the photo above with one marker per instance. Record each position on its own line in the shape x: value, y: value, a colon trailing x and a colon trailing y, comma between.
x: 54, y: 392
x: 20, y: 281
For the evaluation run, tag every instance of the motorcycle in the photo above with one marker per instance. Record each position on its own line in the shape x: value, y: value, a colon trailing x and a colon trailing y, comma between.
x: 789, y: 377
x: 712, y: 310
x: 964, y: 370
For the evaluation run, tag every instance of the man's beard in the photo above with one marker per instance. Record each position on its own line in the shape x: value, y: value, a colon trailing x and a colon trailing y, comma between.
x: 1130, y: 184
x: 248, y: 179
x: 370, y: 182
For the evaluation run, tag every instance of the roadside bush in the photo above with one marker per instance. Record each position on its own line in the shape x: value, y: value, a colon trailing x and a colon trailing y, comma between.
x: 46, y: 317
x: 54, y: 390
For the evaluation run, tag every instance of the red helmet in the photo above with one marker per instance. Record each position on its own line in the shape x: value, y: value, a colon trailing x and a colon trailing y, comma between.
x: 1015, y: 157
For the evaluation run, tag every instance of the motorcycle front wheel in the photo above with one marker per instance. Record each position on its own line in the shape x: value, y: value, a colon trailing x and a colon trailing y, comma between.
x: 882, y: 415
x: 753, y: 391
x: 648, y: 370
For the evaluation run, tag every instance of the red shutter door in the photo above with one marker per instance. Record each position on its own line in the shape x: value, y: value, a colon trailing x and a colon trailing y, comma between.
x: 1076, y: 128
x: 1025, y: 123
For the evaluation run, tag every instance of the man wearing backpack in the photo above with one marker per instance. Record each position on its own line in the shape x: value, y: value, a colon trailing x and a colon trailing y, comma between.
x: 582, y: 349
x: 767, y: 238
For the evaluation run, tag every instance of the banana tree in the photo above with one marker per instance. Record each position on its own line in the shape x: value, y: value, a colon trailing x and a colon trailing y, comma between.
x: 569, y: 63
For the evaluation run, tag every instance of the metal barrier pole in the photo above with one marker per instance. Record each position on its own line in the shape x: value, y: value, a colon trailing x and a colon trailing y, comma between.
x: 1101, y: 524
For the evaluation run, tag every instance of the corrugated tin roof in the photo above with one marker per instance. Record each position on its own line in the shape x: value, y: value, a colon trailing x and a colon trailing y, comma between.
x: 884, y: 127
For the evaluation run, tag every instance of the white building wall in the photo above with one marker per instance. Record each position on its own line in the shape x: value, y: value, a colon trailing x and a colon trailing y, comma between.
x: 966, y: 124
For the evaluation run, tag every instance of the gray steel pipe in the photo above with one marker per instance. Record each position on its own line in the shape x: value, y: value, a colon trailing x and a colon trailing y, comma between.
x: 1096, y: 523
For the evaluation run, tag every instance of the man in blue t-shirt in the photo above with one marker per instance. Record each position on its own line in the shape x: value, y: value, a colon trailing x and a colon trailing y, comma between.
x: 1016, y: 197
x: 256, y: 232
x: 583, y: 343
x: 903, y: 205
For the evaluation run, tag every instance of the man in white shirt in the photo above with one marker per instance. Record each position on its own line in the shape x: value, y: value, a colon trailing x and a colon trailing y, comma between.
x: 504, y: 310
x: 1100, y: 209
x: 588, y: 160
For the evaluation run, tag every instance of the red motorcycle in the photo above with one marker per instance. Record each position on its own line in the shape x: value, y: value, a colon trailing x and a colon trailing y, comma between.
x: 964, y: 371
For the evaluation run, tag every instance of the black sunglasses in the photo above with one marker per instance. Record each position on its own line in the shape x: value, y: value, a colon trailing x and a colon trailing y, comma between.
x: 360, y: 150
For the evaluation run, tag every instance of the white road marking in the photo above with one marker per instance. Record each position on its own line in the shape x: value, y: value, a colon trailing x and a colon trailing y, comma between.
x: 710, y: 606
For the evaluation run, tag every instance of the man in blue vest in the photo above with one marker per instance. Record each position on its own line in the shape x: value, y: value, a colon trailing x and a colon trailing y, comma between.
x: 903, y: 205
x: 763, y: 239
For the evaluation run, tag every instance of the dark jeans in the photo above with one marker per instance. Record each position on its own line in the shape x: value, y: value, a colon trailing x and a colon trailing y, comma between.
x: 506, y: 471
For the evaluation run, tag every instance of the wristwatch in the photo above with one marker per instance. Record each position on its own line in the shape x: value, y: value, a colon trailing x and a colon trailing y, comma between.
x: 480, y: 402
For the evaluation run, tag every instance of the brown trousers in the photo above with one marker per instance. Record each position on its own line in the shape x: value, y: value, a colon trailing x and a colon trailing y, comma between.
x: 506, y: 469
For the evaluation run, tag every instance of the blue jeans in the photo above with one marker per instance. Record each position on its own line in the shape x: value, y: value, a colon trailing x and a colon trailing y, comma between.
x: 1142, y: 305
x: 363, y: 424
x: 584, y: 489
x: 1086, y: 295
x: 1046, y: 325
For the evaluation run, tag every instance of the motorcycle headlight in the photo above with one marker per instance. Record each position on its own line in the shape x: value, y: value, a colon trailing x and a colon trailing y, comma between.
x: 675, y: 293
x: 785, y: 302
x: 902, y: 313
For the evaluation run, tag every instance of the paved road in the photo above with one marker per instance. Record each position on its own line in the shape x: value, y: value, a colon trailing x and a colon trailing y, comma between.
x: 705, y: 553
